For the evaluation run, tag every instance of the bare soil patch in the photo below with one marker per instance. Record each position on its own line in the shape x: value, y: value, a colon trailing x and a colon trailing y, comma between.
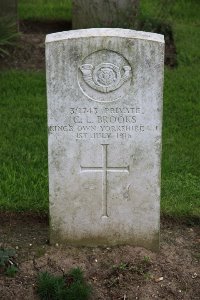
x: 29, y: 53
x: 115, y: 273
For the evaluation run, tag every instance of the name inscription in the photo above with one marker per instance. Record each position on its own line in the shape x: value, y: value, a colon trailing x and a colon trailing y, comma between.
x: 101, y: 123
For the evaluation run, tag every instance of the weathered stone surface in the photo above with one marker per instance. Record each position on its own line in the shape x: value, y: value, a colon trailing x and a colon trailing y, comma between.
x: 104, y: 89
x: 104, y: 13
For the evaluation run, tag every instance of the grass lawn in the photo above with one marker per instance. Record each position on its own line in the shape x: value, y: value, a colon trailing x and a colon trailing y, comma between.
x: 44, y: 9
x: 23, y: 152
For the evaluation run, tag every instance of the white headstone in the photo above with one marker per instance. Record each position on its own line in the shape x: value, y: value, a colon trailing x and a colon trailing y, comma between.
x: 104, y: 13
x: 104, y: 123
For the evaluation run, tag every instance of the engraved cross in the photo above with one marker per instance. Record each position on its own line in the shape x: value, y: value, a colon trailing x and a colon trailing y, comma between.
x: 104, y: 170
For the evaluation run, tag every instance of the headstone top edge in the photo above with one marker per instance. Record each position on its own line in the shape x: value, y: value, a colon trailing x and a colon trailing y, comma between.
x: 109, y: 32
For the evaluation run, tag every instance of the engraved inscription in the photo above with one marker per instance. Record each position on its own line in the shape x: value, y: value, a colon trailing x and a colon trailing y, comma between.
x: 104, y: 170
x: 108, y: 79
x: 105, y: 77
x: 117, y: 122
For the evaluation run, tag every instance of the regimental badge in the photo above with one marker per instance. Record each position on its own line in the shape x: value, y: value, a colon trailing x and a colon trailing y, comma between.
x: 105, y: 76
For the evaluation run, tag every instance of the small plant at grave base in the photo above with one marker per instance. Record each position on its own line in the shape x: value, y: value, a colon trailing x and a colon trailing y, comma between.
x: 122, y: 266
x: 40, y: 252
x: 196, y: 256
x: 141, y: 267
x: 146, y: 259
x: 147, y: 276
x: 71, y: 286
x: 7, y: 264
x: 11, y: 271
